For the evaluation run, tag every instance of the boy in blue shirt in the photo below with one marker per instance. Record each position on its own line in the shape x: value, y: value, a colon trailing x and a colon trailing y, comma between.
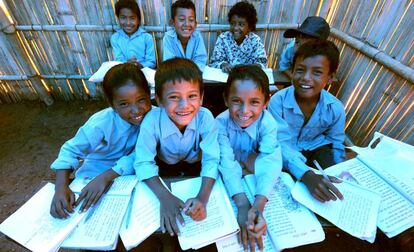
x: 184, y: 41
x: 248, y: 144
x: 311, y: 120
x: 313, y: 28
x: 132, y: 43
x: 177, y: 139
x: 105, y: 142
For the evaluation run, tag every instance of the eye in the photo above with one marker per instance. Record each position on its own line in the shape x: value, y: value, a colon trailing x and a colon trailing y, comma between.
x: 235, y: 101
x: 255, y: 102
x: 173, y: 97
x: 317, y: 72
x: 123, y: 104
x: 299, y: 70
x: 143, y: 100
x: 193, y: 96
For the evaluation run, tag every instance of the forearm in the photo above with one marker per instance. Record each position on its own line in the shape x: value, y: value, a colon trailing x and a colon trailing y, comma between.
x: 155, y: 184
x: 205, y: 189
x: 109, y: 175
x: 62, y: 178
x: 259, y: 203
x: 241, y: 200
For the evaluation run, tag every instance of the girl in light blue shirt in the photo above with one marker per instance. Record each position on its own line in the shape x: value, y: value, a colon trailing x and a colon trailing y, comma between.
x: 248, y: 144
x: 105, y: 142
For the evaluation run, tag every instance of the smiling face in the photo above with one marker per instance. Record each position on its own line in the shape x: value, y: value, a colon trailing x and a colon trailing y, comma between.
x: 310, y: 76
x: 239, y: 28
x: 184, y: 23
x: 245, y: 102
x: 131, y: 103
x: 128, y: 20
x: 181, y: 100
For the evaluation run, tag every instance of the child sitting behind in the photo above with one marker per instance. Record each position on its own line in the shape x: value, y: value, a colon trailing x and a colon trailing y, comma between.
x: 313, y: 119
x: 239, y: 45
x: 184, y: 41
x: 132, y: 43
x: 312, y: 29
x: 248, y: 144
x: 105, y: 142
x: 176, y: 139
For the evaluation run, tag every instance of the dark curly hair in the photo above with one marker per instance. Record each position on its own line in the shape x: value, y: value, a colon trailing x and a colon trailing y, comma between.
x: 249, y: 72
x: 319, y: 47
x: 244, y: 10
x: 128, y: 4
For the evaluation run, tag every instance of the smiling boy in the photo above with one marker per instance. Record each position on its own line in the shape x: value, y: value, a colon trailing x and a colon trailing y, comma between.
x: 184, y: 41
x: 311, y: 120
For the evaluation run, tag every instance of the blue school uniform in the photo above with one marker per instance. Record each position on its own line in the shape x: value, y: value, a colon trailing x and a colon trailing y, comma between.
x: 286, y: 60
x: 237, y: 145
x: 325, y: 126
x: 160, y: 137
x: 105, y: 141
x: 139, y: 45
x: 195, y: 51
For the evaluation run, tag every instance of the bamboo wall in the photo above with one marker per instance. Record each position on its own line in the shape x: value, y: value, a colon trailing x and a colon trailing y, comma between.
x: 48, y: 48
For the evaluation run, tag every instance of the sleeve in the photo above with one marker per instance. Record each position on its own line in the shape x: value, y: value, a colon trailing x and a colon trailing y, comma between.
x: 146, y: 149
x: 336, y: 133
x: 167, y: 49
x: 268, y: 164
x: 209, y: 146
x: 86, y: 140
x: 260, y: 56
x: 219, y: 53
x: 293, y: 160
x: 125, y: 165
x: 230, y: 169
x: 200, y: 56
x: 286, y: 59
x: 118, y: 55
x: 149, y: 58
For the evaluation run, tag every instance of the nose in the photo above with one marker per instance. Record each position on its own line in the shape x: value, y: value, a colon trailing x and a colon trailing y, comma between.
x: 134, y: 109
x: 183, y: 102
x: 244, y: 108
x: 307, y: 75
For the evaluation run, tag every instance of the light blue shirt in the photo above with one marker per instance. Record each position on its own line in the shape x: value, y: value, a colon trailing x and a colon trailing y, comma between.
x: 237, y: 145
x: 286, y: 60
x: 159, y: 136
x: 195, y: 51
x: 139, y: 45
x: 105, y: 141
x: 325, y: 126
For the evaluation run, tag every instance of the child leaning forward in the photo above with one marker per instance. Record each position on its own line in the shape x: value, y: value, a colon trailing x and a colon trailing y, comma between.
x: 248, y: 144
x: 105, y: 142
x: 178, y: 138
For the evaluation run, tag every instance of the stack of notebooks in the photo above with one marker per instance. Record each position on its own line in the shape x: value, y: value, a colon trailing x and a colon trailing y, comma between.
x: 378, y: 189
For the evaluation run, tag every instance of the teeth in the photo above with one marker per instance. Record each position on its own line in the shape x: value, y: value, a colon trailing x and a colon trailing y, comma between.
x: 244, y: 118
x: 183, y: 113
x: 305, y: 86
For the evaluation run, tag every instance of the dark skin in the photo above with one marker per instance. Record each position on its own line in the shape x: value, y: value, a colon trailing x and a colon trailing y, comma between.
x: 171, y: 206
x: 64, y: 202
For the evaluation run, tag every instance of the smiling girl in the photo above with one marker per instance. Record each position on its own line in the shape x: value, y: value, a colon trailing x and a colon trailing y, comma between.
x: 239, y: 45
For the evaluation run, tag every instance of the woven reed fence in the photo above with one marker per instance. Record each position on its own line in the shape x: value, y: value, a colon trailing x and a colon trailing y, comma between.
x: 48, y: 49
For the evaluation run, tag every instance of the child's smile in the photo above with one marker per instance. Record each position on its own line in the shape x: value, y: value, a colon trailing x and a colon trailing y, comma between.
x: 184, y: 23
x: 128, y: 21
x: 239, y: 28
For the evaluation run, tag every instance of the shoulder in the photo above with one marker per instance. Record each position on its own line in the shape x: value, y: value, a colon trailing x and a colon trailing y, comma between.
x: 279, y: 96
x: 223, y: 118
x: 102, y: 117
x: 205, y: 114
x: 267, y: 122
x: 170, y: 34
x: 115, y: 37
x: 225, y: 35
x: 333, y: 103
x: 254, y: 37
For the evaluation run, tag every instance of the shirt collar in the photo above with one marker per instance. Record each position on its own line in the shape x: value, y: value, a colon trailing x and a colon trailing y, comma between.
x: 120, y: 124
x: 290, y: 101
x: 168, y: 127
x: 251, y: 130
x: 135, y: 34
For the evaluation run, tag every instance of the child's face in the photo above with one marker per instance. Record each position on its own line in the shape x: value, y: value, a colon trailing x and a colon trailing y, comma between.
x: 131, y: 103
x: 184, y: 23
x: 128, y: 20
x: 310, y: 76
x: 182, y: 100
x: 245, y: 102
x: 239, y: 27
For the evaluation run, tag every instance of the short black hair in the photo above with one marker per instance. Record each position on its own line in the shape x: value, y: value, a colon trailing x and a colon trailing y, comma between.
x: 319, y: 47
x: 119, y: 75
x: 128, y: 4
x: 177, y: 69
x: 186, y: 4
x: 249, y: 72
x: 244, y: 10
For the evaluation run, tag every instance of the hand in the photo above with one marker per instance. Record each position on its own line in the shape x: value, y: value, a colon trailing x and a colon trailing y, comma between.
x: 195, y: 209
x: 93, y: 191
x: 170, y: 210
x: 135, y: 61
x: 226, y: 67
x: 62, y: 203
x: 256, y: 227
x: 242, y: 213
x: 320, y: 188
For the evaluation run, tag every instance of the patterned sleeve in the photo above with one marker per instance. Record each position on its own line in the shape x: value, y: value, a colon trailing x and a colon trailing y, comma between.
x: 219, y: 53
x: 260, y: 56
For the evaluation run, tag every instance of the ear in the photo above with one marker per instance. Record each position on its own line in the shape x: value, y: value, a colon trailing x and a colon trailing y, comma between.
x: 266, y: 104
x: 157, y: 99
x: 201, y: 99
x: 331, y: 78
x: 172, y: 22
x: 225, y: 100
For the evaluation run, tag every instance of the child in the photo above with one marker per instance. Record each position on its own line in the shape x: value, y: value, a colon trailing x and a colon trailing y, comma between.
x: 247, y: 139
x: 174, y: 139
x: 184, y: 41
x: 313, y: 28
x: 132, y: 43
x: 103, y: 141
x: 240, y: 45
x: 313, y: 119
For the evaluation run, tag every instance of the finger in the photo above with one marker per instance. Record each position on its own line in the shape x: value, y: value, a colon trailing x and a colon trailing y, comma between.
x: 187, y: 206
x: 335, y: 191
x: 162, y: 224
x: 245, y: 239
x: 259, y: 241
x: 88, y: 202
x: 251, y: 241
x: 53, y: 211
x: 316, y: 195
x: 71, y: 202
x: 174, y: 226
x: 60, y: 211
x: 167, y: 224
x: 250, y: 221
x: 81, y: 197
x: 180, y: 218
x: 335, y: 179
x: 325, y: 190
